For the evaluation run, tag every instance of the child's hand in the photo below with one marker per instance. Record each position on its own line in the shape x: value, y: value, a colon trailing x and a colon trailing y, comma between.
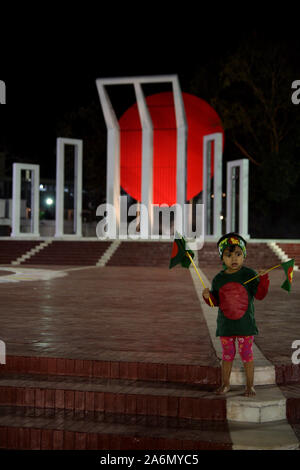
x: 205, y: 293
x: 261, y: 272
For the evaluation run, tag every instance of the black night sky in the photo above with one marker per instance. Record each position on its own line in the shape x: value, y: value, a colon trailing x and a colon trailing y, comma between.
x: 50, y: 75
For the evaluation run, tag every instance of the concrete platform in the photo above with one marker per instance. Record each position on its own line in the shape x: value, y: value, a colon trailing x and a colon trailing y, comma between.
x: 269, y: 436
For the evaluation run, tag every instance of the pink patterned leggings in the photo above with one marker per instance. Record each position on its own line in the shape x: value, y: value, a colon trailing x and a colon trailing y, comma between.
x: 245, y: 347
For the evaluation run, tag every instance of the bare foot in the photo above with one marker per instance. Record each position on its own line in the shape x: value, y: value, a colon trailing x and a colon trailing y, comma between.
x: 250, y: 392
x: 223, y: 389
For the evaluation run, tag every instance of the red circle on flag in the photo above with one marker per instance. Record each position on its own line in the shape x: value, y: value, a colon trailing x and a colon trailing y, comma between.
x: 202, y: 120
x: 174, y: 250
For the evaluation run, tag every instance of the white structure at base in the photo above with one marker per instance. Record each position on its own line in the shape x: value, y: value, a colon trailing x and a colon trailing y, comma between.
x: 231, y: 195
x: 212, y: 198
x: 113, y: 147
x: 35, y: 199
x: 60, y: 171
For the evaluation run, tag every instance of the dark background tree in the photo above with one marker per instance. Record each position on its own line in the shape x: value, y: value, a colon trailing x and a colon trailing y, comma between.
x: 251, y: 91
x: 86, y: 124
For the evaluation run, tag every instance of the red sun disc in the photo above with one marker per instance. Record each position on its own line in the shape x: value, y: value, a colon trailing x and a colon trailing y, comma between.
x: 202, y: 120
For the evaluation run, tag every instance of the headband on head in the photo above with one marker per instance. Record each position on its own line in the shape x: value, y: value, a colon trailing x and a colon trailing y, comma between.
x: 230, y: 241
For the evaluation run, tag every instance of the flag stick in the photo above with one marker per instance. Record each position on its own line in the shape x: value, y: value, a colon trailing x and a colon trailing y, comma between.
x: 187, y: 253
x: 268, y: 270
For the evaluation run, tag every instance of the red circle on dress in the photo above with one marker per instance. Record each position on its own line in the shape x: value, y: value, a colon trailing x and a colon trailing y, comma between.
x: 202, y: 120
x: 233, y: 300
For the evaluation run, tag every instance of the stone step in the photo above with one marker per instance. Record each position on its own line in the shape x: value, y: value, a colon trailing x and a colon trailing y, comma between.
x: 277, y: 435
x: 269, y: 404
x: 113, y: 396
x: 28, y: 428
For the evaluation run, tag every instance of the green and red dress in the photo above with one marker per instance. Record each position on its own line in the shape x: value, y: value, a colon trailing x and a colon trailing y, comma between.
x: 236, y: 301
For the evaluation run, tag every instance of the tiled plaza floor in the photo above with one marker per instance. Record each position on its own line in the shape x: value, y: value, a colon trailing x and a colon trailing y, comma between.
x: 110, y: 313
x: 135, y: 314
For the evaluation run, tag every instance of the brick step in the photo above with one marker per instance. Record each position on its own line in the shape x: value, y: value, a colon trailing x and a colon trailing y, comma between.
x: 141, y: 254
x: 79, y: 256
x: 62, y: 259
x: 66, y: 253
x: 29, y: 428
x: 82, y: 249
x: 19, y: 243
x: 292, y: 395
x: 10, y: 250
x: 127, y: 254
x: 59, y: 262
x: 291, y: 250
x: 160, y: 372
x: 292, y: 253
x: 82, y: 254
x: 113, y: 396
x: 79, y: 248
x: 138, y: 262
x: 71, y: 251
x: 290, y: 246
x: 196, y: 402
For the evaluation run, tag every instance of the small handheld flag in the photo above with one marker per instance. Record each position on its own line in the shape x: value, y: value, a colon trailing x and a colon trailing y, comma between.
x: 288, y: 267
x: 180, y: 254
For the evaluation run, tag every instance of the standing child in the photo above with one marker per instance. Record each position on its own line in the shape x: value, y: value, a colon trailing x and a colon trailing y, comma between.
x: 236, y: 319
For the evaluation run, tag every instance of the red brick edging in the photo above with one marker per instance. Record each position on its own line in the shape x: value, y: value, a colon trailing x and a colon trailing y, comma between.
x: 183, y: 373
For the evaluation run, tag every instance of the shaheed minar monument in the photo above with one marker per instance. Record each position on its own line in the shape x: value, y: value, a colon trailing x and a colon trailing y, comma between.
x: 164, y: 152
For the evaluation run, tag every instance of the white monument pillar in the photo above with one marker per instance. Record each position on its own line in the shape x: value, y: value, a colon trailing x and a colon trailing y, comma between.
x: 35, y: 199
x: 60, y: 180
x: 113, y: 146
x: 216, y: 200
x: 113, y: 155
x: 181, y: 160
x: 240, y: 168
x: 146, y: 212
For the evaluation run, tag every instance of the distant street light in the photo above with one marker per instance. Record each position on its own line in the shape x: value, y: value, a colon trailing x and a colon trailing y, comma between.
x: 49, y: 201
